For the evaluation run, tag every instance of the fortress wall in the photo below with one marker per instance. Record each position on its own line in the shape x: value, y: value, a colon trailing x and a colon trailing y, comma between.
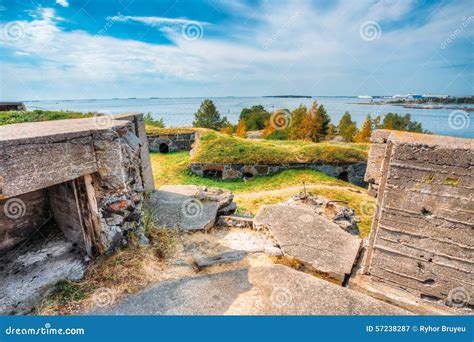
x: 422, y: 237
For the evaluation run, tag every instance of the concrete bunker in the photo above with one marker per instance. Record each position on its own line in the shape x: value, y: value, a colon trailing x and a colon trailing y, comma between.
x: 421, y: 241
x: 163, y: 148
x: 69, y: 190
x: 171, y: 140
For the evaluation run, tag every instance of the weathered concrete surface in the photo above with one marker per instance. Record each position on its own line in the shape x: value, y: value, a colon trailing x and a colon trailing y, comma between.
x: 21, y: 217
x: 223, y: 246
x: 140, y: 132
x: 422, y: 234
x: 341, y: 215
x: 189, y: 207
x: 266, y: 290
x: 311, y: 238
x: 29, y: 272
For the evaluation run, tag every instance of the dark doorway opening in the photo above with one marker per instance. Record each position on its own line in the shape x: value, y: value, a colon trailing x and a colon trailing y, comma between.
x: 344, y: 175
x: 212, y: 173
x: 163, y: 148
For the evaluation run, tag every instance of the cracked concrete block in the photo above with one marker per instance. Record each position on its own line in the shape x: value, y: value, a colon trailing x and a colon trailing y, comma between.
x: 311, y: 238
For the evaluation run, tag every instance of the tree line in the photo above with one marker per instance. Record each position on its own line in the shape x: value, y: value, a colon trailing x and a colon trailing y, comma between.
x: 302, y: 123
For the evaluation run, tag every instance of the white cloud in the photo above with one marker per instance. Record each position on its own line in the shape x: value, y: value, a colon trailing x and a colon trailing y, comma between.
x: 292, y: 48
x: 156, y: 21
x: 63, y: 3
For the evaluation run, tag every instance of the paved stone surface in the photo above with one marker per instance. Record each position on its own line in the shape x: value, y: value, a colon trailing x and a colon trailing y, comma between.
x: 265, y: 290
x: 189, y: 207
x: 310, y: 237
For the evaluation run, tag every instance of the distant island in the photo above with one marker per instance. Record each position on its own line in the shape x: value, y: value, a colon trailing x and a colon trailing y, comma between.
x: 290, y: 96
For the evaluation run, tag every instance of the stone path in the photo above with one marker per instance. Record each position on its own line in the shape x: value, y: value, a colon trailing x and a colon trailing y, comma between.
x: 265, y: 290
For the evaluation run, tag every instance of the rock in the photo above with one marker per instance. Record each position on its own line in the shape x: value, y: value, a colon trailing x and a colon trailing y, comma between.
x: 265, y: 290
x: 223, y: 258
x: 228, y: 210
x: 190, y: 207
x: 343, y: 216
x: 30, y: 271
x: 311, y: 238
x: 235, y: 221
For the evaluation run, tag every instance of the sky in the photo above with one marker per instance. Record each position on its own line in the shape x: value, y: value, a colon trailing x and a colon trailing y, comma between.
x: 83, y: 49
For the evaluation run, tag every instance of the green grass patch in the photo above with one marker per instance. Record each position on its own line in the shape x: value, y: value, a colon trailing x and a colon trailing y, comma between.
x: 13, y: 117
x: 150, y: 129
x: 171, y: 168
x: 214, y: 147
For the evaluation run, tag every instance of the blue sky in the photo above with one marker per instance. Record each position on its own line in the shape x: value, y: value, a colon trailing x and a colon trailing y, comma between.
x: 75, y: 49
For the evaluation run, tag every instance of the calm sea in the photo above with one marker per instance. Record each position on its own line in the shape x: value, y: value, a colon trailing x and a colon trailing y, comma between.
x: 178, y: 112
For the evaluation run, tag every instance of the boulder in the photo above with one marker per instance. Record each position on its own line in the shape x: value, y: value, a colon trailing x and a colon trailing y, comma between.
x: 190, y: 207
x: 310, y: 238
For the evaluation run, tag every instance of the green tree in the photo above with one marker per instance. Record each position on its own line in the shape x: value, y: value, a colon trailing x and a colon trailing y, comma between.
x: 255, y: 117
x: 149, y: 120
x: 323, y: 120
x: 347, y: 128
x: 208, y: 116
x: 401, y: 123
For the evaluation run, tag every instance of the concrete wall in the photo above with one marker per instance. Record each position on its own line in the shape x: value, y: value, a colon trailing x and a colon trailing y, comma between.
x: 112, y: 154
x: 353, y: 173
x: 21, y: 217
x: 422, y: 237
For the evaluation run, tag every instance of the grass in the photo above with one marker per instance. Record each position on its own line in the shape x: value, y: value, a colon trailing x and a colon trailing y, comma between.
x: 360, y: 202
x: 150, y: 129
x: 171, y: 168
x: 13, y: 117
x: 215, y: 147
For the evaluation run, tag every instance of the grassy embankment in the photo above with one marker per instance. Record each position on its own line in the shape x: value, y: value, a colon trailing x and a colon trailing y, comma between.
x: 13, y: 117
x: 251, y: 195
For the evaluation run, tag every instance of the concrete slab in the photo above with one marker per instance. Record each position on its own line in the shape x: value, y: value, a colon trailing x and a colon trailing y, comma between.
x: 311, y: 238
x: 189, y: 207
x: 30, y: 271
x: 265, y: 290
